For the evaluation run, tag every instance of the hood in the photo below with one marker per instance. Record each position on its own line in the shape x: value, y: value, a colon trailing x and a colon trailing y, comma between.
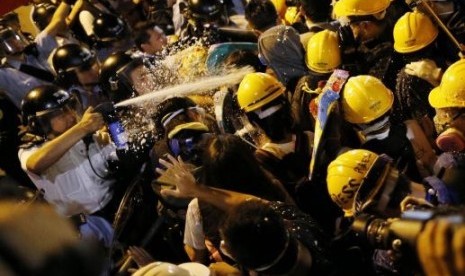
x: 281, y: 49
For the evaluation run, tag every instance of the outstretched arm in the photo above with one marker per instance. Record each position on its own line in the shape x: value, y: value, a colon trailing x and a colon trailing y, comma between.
x: 187, y: 187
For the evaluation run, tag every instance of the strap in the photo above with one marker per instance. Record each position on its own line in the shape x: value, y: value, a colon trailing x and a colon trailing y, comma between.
x: 37, y: 72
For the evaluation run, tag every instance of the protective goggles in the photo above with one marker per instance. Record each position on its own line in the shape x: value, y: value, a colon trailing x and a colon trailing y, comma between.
x: 188, y: 145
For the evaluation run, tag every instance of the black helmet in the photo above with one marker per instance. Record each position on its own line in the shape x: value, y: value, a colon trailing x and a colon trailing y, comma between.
x: 39, y: 104
x: 114, y: 75
x: 42, y: 14
x: 12, y: 42
x: 205, y: 10
x: 109, y: 28
x: 68, y: 58
x: 9, y: 19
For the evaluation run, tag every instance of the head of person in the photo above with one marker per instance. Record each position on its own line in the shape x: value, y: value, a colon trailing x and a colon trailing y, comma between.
x: 255, y: 236
x: 75, y: 64
x: 323, y: 53
x: 188, y: 141
x: 280, y: 49
x: 366, y: 104
x: 116, y: 76
x: 261, y: 97
x: 224, y: 151
x: 360, y: 181
x: 48, y: 111
x: 150, y: 38
x: 448, y: 99
x: 316, y: 10
x: 261, y: 14
x: 42, y: 15
x: 366, y: 18
x: 10, y: 19
x: 109, y: 29
x: 12, y: 43
x: 205, y: 12
x: 35, y: 240
x: 169, y: 269
x: 414, y: 34
x: 242, y: 58
x: 170, y: 109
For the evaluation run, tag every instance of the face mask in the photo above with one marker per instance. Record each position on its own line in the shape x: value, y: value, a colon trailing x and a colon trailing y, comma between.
x: 451, y: 140
x: 379, y: 131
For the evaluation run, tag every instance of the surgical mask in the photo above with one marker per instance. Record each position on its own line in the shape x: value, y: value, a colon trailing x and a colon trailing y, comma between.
x: 378, y: 131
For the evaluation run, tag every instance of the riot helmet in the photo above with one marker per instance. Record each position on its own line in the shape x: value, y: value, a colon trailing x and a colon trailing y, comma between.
x: 109, y: 28
x: 115, y: 75
x: 42, y: 15
x: 12, y: 42
x: 70, y: 57
x: 205, y: 11
x: 43, y: 103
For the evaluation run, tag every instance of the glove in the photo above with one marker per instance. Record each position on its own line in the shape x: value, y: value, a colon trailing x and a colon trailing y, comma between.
x: 425, y: 69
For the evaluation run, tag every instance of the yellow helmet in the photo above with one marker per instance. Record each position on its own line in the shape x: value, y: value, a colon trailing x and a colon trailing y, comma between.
x: 349, y: 171
x: 323, y: 52
x: 451, y: 91
x: 292, y: 15
x: 280, y: 6
x: 413, y: 31
x: 359, y: 7
x: 364, y: 99
x: 258, y: 89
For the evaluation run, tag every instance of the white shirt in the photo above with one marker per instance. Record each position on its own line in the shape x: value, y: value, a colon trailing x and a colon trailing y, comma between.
x: 70, y: 184
x: 193, y: 231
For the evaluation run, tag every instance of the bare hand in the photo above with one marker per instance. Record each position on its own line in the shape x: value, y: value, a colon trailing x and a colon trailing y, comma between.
x: 91, y: 121
x: 140, y: 256
x: 186, y: 185
x: 441, y: 249
x: 223, y: 269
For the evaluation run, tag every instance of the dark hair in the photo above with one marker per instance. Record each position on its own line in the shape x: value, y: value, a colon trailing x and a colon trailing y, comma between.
x: 261, y: 14
x: 241, y: 58
x: 167, y: 106
x: 254, y: 234
x: 141, y: 35
x: 317, y: 10
x: 225, y: 151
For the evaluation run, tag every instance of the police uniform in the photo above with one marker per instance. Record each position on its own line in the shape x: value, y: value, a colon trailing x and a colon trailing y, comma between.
x: 71, y: 184
x: 15, y: 82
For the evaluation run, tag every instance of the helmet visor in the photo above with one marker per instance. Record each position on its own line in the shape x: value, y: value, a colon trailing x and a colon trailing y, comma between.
x: 12, y: 43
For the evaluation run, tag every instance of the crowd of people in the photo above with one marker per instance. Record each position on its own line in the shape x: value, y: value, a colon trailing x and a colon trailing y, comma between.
x: 340, y: 151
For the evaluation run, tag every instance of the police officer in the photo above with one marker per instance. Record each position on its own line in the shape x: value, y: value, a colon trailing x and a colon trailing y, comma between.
x: 77, y: 69
x: 26, y: 65
x: 66, y: 161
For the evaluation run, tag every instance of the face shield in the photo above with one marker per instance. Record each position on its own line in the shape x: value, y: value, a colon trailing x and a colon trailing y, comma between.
x: 72, y: 107
x: 11, y: 42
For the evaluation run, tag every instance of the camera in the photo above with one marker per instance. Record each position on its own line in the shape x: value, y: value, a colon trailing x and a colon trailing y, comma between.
x: 401, y: 233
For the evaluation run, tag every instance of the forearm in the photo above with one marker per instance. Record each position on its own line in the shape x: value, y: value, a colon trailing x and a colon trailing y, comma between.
x: 74, y: 12
x: 58, y: 21
x: 222, y: 199
x: 53, y: 150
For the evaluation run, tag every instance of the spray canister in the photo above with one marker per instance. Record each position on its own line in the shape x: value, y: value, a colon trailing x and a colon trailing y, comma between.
x: 115, y: 127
